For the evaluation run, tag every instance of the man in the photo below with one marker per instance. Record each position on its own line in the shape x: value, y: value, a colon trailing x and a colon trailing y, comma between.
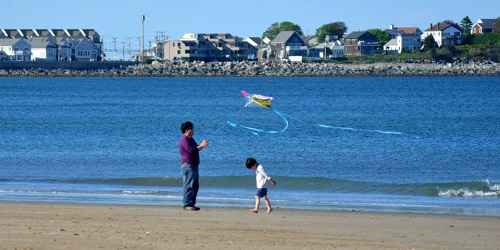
x: 190, y: 160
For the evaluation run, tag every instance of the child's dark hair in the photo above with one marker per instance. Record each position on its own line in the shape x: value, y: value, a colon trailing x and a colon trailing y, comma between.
x: 186, y: 126
x: 251, y: 162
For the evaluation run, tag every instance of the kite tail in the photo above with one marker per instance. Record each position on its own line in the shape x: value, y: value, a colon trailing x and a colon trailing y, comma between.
x: 257, y: 131
x: 326, y: 126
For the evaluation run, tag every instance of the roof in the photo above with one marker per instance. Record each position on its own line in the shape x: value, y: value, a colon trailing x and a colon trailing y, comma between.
x: 444, y: 25
x: 41, y: 42
x: 329, y: 44
x: 256, y: 39
x: 408, y: 30
x: 487, y: 23
x: 355, y: 34
x: 392, y: 42
x: 283, y: 36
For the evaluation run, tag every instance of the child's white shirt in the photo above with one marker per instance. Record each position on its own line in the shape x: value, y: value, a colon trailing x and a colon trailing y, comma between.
x: 261, y: 176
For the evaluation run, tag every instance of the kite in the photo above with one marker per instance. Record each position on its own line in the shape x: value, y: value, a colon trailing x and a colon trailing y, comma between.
x: 265, y: 102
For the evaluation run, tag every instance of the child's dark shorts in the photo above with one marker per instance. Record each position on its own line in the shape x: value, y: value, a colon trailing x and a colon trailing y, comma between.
x: 261, y: 192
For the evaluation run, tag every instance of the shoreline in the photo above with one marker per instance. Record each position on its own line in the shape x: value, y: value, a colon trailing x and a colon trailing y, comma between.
x: 245, y: 209
x: 254, y: 69
x: 69, y: 226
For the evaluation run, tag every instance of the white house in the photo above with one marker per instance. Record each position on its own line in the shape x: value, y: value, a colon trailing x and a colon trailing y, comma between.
x: 445, y: 33
x: 43, y: 49
x: 327, y: 50
x: 403, y: 39
x: 18, y: 49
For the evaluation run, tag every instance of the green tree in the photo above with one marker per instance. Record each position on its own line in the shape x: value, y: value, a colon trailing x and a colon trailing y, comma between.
x: 430, y: 43
x: 382, y: 36
x: 331, y: 29
x: 487, y: 39
x: 277, y: 27
x: 466, y: 24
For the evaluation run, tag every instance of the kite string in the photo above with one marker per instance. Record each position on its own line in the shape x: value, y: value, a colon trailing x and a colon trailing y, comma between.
x: 226, y: 123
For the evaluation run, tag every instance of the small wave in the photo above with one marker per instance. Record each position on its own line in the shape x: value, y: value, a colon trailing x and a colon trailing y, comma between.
x: 314, y: 184
x: 487, y: 191
x: 467, y: 193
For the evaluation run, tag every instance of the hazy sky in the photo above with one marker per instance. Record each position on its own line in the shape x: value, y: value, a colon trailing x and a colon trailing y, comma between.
x: 113, y: 18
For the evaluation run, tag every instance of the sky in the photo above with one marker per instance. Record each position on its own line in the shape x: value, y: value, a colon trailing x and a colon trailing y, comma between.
x: 121, y: 19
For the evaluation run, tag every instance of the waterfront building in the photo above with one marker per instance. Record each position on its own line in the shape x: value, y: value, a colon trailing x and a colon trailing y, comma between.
x: 445, y: 33
x: 54, y: 44
x: 403, y: 39
x: 209, y: 47
x: 360, y: 43
x: 483, y: 25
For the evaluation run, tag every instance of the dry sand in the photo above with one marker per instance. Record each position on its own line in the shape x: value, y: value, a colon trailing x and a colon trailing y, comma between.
x: 59, y: 226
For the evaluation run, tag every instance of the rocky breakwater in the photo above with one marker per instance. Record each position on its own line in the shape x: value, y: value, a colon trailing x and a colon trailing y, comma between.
x: 317, y: 69
x: 275, y: 69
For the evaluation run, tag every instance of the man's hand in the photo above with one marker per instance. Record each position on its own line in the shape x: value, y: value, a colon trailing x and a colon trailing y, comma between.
x: 203, y: 144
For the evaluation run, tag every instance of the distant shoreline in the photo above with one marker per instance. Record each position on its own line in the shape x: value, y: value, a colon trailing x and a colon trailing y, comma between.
x: 250, y: 69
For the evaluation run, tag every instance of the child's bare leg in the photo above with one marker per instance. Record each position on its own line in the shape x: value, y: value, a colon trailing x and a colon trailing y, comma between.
x: 268, y: 204
x: 257, y: 204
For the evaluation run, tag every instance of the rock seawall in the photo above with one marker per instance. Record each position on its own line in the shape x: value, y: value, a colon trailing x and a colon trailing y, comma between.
x: 274, y: 69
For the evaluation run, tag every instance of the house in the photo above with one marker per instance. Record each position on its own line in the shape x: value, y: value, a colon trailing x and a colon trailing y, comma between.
x: 360, y: 43
x: 59, y: 44
x: 288, y: 44
x: 43, y: 49
x: 403, y: 39
x: 327, y: 50
x: 85, y: 50
x: 482, y: 26
x: 256, y: 43
x: 209, y: 47
x: 16, y: 49
x: 445, y: 33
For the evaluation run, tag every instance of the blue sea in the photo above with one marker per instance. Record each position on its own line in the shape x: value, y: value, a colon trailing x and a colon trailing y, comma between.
x: 384, y: 144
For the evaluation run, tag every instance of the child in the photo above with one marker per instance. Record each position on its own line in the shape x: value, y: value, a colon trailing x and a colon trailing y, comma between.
x: 261, y: 178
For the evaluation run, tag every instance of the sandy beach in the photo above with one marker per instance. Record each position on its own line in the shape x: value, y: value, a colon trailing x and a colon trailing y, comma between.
x: 67, y: 226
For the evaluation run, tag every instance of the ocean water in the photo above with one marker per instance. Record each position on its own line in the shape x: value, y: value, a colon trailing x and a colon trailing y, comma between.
x: 403, y: 144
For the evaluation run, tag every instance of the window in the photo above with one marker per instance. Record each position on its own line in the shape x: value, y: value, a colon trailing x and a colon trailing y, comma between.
x: 178, y: 51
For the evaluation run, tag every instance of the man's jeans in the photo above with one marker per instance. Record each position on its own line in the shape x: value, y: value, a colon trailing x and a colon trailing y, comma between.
x: 191, y: 184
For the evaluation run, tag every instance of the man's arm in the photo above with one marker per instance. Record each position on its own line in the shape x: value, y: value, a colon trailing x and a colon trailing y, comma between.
x: 203, y: 144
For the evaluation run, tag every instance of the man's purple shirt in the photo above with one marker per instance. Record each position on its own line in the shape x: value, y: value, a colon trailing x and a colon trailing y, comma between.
x: 188, y: 149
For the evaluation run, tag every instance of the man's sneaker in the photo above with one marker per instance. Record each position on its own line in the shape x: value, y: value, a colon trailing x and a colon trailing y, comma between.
x: 191, y: 208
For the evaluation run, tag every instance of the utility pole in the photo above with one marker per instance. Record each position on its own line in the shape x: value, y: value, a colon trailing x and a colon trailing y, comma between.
x: 115, y: 50
x: 143, y: 20
x: 123, y: 50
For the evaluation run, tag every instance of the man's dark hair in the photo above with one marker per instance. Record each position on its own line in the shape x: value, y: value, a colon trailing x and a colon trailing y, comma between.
x: 186, y: 126
x: 251, y: 162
